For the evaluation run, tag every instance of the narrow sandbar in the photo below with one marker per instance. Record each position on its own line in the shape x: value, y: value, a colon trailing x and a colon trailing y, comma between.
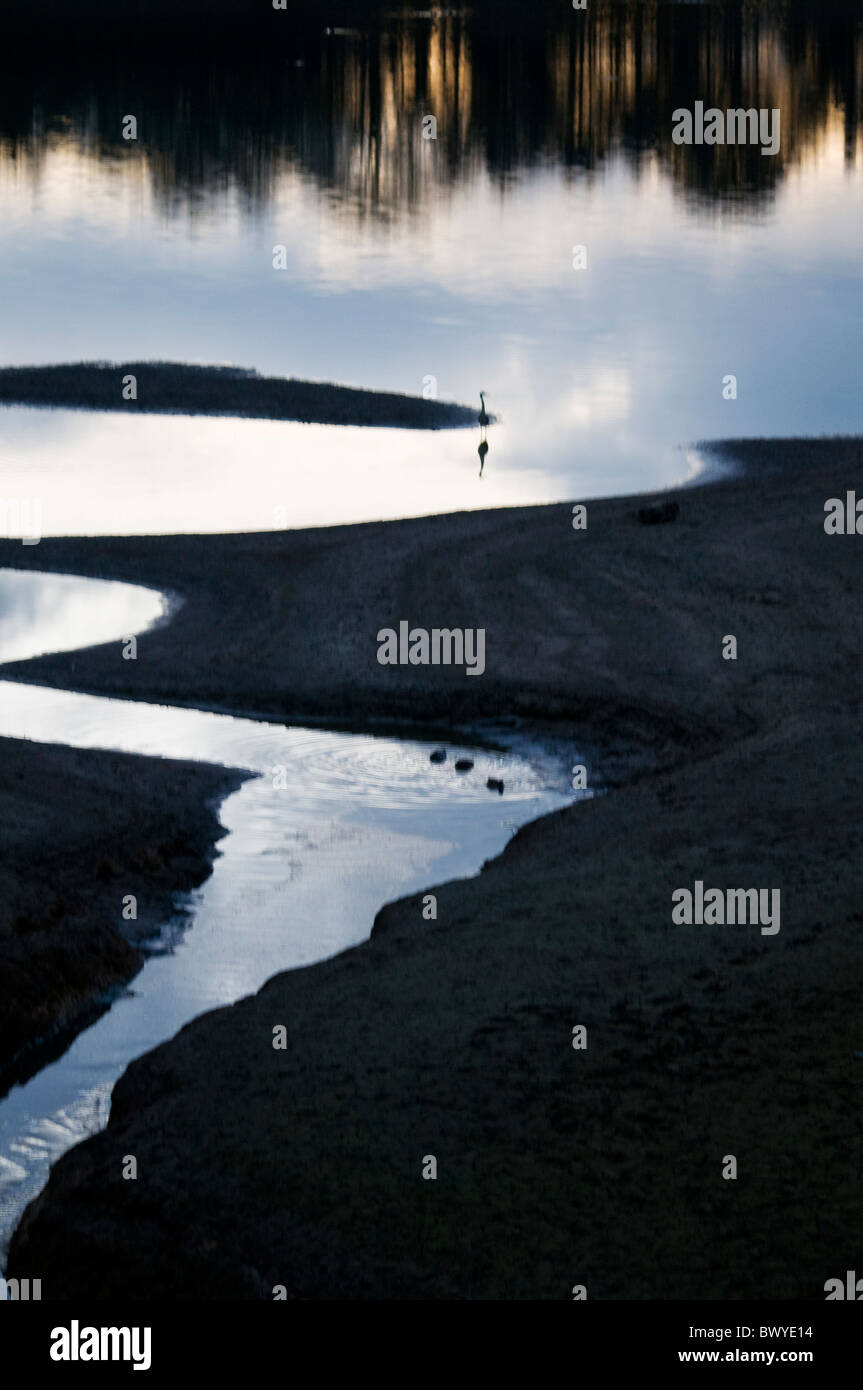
x: 187, y: 389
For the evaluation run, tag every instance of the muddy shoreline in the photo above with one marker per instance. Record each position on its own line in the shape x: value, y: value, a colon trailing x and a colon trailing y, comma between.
x: 81, y: 830
x: 302, y: 1168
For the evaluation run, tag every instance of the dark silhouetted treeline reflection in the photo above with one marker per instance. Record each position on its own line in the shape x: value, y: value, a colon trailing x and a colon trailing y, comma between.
x: 235, y: 104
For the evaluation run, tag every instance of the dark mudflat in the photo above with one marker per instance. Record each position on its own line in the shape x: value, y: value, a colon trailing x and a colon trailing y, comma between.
x: 453, y: 1037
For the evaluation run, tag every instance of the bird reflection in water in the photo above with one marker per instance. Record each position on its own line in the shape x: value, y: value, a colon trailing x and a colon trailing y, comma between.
x: 483, y: 426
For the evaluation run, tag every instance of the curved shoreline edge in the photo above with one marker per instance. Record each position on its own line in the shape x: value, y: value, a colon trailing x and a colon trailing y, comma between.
x: 66, y: 867
x: 453, y: 1038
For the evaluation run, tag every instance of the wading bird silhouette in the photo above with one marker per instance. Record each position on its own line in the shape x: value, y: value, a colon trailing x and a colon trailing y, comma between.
x: 483, y: 426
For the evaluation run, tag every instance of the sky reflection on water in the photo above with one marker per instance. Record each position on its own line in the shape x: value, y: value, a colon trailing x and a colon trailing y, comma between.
x: 451, y: 259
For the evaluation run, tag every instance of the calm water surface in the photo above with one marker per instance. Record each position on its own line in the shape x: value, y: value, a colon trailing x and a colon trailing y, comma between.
x: 59, y: 612
x: 410, y: 259
x: 355, y: 821
x: 411, y: 265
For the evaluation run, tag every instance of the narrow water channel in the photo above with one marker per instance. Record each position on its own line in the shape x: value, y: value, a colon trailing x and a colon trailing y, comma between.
x: 333, y: 826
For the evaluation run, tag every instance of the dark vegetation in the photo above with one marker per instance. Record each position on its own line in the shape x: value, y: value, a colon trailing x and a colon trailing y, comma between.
x: 338, y: 89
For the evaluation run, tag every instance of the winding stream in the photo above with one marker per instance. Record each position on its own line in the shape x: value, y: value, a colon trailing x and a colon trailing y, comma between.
x: 302, y: 871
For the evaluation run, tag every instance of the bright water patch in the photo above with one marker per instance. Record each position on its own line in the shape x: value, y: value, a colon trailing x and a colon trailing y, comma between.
x: 60, y: 612
x: 332, y: 826
x: 100, y: 474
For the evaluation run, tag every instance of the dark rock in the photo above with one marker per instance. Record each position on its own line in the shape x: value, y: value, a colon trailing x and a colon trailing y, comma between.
x: 658, y: 512
x: 438, y: 756
x: 464, y: 764
x: 495, y: 784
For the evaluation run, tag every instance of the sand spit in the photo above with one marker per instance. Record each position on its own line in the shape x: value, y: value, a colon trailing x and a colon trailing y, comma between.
x: 181, y: 388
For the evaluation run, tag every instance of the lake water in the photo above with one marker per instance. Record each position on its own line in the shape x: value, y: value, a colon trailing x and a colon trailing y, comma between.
x: 333, y: 826
x: 60, y: 612
x: 413, y: 265
x: 409, y: 259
